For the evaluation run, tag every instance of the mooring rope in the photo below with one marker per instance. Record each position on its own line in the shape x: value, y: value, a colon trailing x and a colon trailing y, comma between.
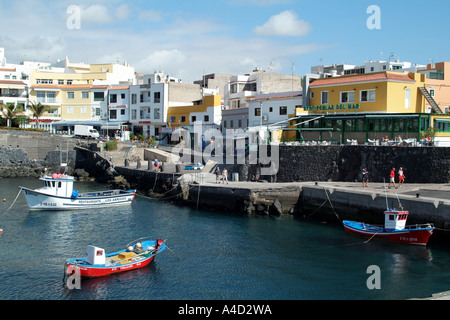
x: 10, y: 207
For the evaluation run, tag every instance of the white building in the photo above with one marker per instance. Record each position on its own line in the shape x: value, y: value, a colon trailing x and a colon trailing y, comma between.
x: 273, y: 109
x: 241, y: 88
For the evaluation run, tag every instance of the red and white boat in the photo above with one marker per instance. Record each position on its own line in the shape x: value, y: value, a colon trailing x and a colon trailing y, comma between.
x: 394, y: 229
x: 138, y: 254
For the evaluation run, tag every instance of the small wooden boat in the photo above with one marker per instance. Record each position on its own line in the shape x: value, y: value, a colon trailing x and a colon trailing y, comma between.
x: 138, y: 254
x: 58, y: 194
x: 394, y: 229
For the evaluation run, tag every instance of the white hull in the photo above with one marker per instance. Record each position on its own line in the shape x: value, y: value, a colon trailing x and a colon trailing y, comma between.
x: 41, y: 201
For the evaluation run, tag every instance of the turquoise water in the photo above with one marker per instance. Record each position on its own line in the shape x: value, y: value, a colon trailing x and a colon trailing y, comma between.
x: 218, y: 256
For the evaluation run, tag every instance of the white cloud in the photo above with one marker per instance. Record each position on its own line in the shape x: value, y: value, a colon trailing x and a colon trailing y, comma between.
x: 95, y: 13
x: 285, y: 23
x: 122, y: 12
x: 150, y: 15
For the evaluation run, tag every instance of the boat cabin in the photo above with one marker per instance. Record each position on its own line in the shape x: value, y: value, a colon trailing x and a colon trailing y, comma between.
x: 58, y: 185
x: 95, y: 255
x: 395, y: 220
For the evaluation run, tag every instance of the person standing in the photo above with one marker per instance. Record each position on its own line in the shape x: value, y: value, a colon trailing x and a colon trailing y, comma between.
x: 217, y: 175
x: 225, y: 175
x: 392, y: 178
x: 365, y: 177
x: 401, y: 177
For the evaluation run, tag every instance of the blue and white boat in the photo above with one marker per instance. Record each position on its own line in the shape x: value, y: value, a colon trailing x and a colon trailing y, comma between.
x: 58, y: 194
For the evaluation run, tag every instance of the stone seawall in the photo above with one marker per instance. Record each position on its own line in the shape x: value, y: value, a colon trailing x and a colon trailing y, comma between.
x: 344, y: 163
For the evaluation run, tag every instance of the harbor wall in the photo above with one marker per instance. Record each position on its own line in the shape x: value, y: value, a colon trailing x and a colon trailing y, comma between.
x: 345, y: 163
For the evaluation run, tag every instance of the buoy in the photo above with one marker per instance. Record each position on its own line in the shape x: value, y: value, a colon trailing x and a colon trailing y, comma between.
x: 1, y: 230
x: 4, y: 200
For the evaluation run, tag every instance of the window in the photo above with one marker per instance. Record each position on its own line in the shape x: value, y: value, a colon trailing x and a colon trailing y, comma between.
x: 348, y: 97
x: 257, y: 112
x: 324, y: 97
x: 122, y: 96
x: 97, y: 112
x: 231, y: 124
x: 157, y: 97
x: 113, y: 114
x: 83, y: 109
x: 69, y: 109
x: 85, y: 95
x: 183, y: 119
x: 51, y: 97
x: 69, y: 82
x: 206, y: 118
x: 239, y: 123
x: 407, y: 98
x: 225, y: 124
x: 70, y: 95
x: 194, y: 118
x: 367, y: 96
x: 122, y: 112
x: 40, y: 96
x: 432, y: 92
x: 283, y: 111
x: 156, y: 113
x: 99, y: 96
x: 133, y: 114
x: 113, y: 98
x: 311, y: 95
x: 60, y: 82
x: 134, y: 98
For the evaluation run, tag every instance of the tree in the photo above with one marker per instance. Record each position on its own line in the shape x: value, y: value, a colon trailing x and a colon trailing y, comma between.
x: 38, y: 111
x: 9, y: 111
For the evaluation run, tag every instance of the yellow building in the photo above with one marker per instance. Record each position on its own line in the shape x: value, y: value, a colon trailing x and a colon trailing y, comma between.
x: 377, y: 92
x: 367, y: 108
x: 207, y: 111
x: 68, y: 91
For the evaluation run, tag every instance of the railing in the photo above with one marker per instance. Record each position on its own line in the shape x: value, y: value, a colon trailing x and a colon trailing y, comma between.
x: 420, y: 226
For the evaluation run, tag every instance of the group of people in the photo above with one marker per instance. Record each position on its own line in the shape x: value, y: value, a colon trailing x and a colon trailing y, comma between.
x: 224, y: 175
x: 401, y: 178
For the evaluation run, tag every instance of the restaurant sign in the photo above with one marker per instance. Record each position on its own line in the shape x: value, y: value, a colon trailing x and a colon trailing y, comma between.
x: 350, y: 106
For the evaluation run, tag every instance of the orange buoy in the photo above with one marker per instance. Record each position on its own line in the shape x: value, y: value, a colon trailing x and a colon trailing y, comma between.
x: 1, y: 230
x: 4, y: 200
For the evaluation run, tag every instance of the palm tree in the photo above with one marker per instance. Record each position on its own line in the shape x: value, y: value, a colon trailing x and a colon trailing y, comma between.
x: 9, y: 111
x: 38, y: 111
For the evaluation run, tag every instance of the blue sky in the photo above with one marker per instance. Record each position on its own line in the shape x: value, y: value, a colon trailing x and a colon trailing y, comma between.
x: 190, y: 38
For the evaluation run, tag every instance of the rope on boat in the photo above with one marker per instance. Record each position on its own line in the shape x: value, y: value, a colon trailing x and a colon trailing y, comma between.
x: 10, y: 207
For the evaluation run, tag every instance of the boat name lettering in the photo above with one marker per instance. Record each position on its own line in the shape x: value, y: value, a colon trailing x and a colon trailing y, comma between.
x: 47, y: 204
x: 99, y: 201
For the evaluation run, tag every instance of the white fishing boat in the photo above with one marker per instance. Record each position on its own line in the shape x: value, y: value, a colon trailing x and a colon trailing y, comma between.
x: 58, y: 194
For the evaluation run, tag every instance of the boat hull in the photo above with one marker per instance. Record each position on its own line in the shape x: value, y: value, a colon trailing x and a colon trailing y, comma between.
x: 111, y: 266
x: 412, y: 236
x: 96, y: 272
x: 40, y: 201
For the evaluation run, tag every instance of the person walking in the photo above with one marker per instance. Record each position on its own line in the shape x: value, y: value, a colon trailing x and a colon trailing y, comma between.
x: 365, y: 177
x: 392, y: 178
x: 225, y: 175
x: 217, y: 175
x: 401, y: 177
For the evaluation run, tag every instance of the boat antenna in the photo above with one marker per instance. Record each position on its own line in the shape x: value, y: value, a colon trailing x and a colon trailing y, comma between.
x: 385, y: 194
x: 399, y: 203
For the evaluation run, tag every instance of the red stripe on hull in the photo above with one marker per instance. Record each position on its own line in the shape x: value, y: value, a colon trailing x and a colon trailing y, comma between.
x: 413, y: 237
x: 93, y: 272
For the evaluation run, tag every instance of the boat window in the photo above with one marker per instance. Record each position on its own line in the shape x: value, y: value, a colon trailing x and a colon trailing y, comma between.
x: 59, y: 184
x: 391, y: 217
x: 53, y: 184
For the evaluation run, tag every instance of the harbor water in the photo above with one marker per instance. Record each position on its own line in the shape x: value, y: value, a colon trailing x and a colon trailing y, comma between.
x: 215, y: 255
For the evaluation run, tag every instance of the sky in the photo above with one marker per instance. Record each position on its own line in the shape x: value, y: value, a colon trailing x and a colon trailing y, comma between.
x: 188, y: 39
